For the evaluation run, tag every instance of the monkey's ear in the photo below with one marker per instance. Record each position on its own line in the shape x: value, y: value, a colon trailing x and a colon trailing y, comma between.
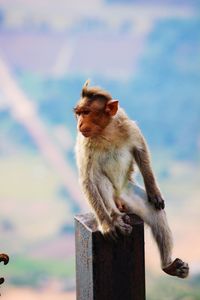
x: 112, y: 107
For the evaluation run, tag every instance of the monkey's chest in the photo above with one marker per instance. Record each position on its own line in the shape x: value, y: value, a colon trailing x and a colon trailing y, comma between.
x: 118, y: 166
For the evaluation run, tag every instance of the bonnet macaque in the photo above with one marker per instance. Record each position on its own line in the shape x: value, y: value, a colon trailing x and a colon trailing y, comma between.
x: 108, y: 146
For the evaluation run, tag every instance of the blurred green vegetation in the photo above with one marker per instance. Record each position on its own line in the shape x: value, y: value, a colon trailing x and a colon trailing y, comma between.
x: 167, y: 288
x: 24, y: 271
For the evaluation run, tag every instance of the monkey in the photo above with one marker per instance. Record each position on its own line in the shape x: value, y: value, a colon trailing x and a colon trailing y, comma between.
x: 108, y: 147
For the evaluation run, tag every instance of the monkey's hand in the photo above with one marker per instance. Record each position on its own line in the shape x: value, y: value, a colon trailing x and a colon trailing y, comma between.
x: 108, y: 230
x: 156, y: 199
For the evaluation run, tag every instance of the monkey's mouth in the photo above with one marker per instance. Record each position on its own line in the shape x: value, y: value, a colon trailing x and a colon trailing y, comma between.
x: 86, y: 133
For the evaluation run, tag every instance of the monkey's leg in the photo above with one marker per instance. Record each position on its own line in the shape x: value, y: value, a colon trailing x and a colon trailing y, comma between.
x: 137, y: 202
x: 162, y: 234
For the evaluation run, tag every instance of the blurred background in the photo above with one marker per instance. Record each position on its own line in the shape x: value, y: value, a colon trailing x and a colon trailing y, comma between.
x: 147, y: 54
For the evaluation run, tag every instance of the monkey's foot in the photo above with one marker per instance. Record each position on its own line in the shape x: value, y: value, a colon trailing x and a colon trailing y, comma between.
x: 122, y: 223
x: 177, y: 268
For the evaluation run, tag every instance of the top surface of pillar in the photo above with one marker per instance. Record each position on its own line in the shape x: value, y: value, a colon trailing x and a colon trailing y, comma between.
x: 89, y: 221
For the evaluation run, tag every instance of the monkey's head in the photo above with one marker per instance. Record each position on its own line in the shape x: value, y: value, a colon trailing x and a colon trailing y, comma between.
x: 94, y: 110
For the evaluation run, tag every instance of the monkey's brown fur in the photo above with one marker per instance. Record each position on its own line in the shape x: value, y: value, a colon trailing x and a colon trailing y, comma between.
x: 108, y: 146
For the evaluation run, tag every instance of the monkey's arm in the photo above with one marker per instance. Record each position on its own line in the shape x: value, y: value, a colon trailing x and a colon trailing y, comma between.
x: 142, y: 158
x: 95, y: 200
x: 99, y: 193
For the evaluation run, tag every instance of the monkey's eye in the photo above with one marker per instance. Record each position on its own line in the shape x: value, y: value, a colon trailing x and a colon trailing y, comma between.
x: 85, y: 112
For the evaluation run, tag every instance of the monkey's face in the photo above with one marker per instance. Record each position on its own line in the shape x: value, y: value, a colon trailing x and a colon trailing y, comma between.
x: 93, y: 117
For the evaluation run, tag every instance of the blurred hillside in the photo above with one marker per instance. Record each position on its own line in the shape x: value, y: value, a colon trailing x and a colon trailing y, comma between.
x: 147, y: 54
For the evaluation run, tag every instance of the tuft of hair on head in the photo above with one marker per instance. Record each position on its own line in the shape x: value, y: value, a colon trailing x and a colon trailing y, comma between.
x: 85, y: 87
x: 94, y: 92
